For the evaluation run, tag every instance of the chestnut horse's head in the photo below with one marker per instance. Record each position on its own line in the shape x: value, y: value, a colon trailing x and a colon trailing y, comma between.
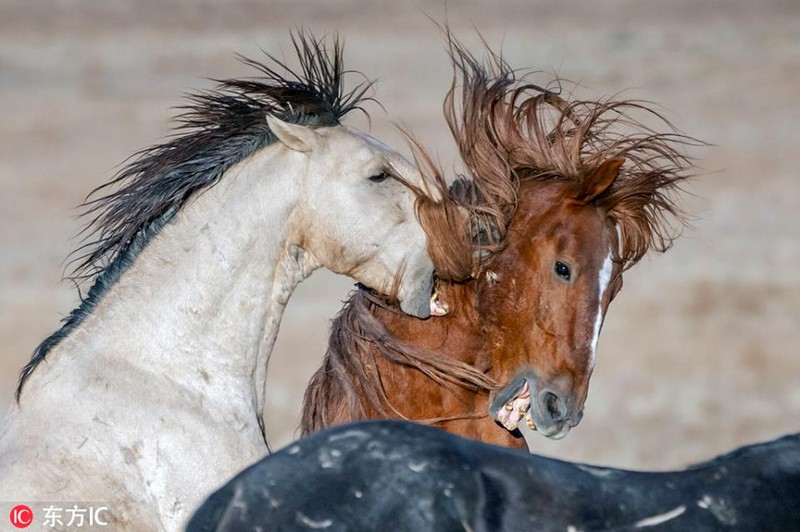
x: 560, y: 271
x: 561, y: 197
x: 595, y: 191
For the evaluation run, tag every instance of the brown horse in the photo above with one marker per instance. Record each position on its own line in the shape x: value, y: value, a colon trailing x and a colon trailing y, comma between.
x: 591, y: 191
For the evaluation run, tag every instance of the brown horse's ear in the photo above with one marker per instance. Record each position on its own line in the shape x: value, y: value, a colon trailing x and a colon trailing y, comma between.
x: 485, y: 232
x: 600, y: 179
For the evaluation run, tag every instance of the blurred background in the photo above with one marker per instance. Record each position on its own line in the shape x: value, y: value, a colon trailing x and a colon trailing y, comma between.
x: 700, y: 352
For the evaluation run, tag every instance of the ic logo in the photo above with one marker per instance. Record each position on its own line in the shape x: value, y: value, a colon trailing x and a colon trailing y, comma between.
x: 21, y: 516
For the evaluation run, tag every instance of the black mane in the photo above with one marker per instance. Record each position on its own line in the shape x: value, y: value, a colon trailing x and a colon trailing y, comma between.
x: 216, y: 129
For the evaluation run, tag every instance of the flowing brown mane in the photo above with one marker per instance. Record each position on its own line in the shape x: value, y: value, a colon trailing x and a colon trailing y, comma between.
x: 584, y: 134
x: 507, y: 130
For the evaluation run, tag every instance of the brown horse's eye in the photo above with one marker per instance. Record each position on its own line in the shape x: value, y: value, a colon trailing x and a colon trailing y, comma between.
x: 563, y: 271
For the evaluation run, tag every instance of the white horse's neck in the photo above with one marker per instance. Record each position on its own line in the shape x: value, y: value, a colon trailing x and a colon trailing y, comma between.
x: 179, y: 344
x: 204, y: 300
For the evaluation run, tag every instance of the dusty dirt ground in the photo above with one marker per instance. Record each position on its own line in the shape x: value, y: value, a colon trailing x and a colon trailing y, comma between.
x: 700, y: 351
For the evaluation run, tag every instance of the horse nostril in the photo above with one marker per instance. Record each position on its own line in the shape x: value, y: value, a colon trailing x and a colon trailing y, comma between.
x: 555, y: 407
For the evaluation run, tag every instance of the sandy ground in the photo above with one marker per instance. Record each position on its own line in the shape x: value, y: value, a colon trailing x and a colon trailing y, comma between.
x: 699, y: 353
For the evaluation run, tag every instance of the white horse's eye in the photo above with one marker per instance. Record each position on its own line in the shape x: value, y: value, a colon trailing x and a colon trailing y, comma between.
x: 379, y: 178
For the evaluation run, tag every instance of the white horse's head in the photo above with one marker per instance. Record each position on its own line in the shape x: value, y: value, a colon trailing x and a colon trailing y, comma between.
x: 358, y: 212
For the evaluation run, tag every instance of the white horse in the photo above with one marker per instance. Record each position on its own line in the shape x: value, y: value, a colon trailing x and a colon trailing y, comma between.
x: 150, y: 395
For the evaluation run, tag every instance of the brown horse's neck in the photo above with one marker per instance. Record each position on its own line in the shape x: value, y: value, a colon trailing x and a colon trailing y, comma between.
x: 381, y: 363
x: 457, y: 335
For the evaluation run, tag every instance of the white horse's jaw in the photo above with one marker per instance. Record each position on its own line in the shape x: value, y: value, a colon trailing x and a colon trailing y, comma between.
x: 418, y: 302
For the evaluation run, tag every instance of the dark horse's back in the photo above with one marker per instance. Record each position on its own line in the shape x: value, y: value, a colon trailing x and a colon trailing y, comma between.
x: 389, y: 475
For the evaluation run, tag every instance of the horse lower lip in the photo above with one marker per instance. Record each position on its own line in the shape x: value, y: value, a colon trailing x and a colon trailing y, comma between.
x: 417, y: 301
x: 417, y: 307
x: 558, y: 435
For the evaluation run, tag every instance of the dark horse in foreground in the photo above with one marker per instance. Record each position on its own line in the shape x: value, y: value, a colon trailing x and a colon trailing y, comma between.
x: 390, y: 475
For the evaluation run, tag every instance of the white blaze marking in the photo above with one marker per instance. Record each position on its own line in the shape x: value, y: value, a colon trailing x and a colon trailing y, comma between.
x: 603, y: 279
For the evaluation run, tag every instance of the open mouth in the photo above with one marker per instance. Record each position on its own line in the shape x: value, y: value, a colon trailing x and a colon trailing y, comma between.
x: 516, y: 409
x: 527, y: 405
x: 438, y: 307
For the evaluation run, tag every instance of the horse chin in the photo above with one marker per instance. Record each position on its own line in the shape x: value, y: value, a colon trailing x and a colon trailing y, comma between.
x: 557, y: 432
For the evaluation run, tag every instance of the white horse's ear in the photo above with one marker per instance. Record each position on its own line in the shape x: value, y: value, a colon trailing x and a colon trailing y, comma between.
x: 293, y: 136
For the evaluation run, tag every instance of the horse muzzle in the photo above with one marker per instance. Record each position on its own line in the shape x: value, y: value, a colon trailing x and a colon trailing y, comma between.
x: 416, y: 300
x: 544, y: 407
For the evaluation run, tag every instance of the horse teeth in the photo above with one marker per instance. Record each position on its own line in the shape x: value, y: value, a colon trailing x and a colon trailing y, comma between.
x: 529, y: 420
x: 438, y: 308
